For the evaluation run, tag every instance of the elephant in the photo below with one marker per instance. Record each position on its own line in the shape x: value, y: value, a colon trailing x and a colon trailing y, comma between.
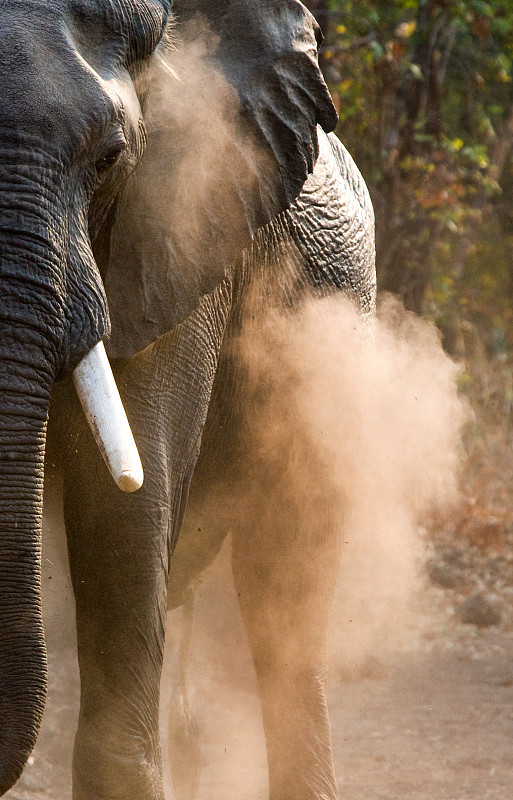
x: 158, y: 161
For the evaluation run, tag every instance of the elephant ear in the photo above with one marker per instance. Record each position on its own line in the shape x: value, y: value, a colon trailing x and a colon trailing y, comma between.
x: 231, y: 115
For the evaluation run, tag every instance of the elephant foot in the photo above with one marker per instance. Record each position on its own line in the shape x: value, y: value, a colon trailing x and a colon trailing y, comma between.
x: 100, y: 772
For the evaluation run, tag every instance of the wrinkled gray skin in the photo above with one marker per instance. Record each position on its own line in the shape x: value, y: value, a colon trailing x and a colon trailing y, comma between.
x: 81, y: 242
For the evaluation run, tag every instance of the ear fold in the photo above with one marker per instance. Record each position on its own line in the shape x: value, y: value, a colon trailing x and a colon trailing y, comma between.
x: 231, y: 139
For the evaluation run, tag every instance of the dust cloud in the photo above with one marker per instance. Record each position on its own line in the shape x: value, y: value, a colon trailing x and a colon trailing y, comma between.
x: 351, y: 445
x: 362, y: 421
x: 204, y: 179
x: 355, y: 425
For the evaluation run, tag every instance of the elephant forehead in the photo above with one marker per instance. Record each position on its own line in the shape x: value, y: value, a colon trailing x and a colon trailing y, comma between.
x: 122, y: 31
x: 46, y: 89
x: 134, y: 27
x: 56, y: 60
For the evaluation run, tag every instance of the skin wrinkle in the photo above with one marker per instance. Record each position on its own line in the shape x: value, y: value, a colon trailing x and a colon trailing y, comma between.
x: 20, y: 561
x: 48, y: 249
x: 347, y: 222
x: 34, y: 214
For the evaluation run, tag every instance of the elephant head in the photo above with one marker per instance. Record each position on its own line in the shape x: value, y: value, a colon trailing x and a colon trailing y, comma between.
x: 93, y: 246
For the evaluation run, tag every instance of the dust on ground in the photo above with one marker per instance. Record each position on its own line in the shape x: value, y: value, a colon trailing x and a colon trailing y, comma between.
x: 434, y: 721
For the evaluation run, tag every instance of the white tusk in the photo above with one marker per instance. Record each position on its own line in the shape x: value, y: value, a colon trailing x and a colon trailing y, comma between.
x: 98, y: 393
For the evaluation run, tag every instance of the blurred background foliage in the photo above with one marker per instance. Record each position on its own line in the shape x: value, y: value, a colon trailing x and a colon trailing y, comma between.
x: 424, y: 90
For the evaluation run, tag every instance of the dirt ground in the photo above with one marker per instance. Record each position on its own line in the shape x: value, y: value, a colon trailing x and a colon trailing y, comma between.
x: 434, y: 721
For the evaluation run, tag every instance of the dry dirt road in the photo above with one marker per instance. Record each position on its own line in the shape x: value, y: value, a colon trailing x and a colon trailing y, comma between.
x: 433, y: 723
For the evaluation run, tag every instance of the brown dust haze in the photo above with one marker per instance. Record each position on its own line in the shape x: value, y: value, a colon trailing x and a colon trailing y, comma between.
x: 353, y: 443
x: 372, y: 412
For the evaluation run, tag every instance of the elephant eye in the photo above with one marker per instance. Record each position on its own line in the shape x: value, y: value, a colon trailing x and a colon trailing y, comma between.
x: 106, y: 162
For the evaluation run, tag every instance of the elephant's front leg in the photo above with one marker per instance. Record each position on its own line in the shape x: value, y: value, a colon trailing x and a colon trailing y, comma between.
x: 118, y: 556
x: 284, y: 575
x: 119, y: 548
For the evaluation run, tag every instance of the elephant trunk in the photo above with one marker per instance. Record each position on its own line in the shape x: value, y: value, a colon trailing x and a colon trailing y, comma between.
x: 53, y: 312
x: 24, y: 398
x: 26, y: 379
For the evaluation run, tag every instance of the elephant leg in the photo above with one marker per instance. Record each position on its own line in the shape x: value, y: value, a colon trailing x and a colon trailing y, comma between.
x: 120, y: 547
x: 118, y: 559
x: 284, y: 573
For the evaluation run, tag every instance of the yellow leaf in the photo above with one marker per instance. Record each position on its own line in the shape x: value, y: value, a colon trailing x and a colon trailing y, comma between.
x: 503, y: 76
x: 405, y: 29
